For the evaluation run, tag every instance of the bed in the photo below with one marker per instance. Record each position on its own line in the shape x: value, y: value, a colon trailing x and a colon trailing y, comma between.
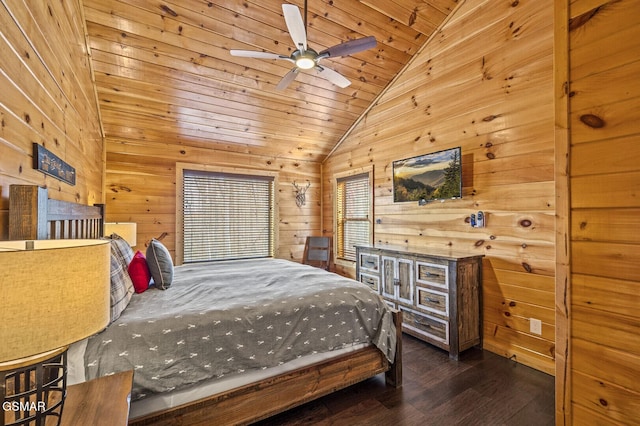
x: 269, y: 379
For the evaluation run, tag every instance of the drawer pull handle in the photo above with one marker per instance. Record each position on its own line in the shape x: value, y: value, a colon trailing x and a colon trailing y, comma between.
x: 422, y: 324
x: 437, y: 302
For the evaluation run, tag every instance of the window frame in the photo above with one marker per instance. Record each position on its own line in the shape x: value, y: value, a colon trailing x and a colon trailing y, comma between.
x: 180, y: 169
x: 345, y: 175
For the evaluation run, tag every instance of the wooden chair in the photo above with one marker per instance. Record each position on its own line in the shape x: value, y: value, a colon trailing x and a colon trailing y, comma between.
x: 317, y: 252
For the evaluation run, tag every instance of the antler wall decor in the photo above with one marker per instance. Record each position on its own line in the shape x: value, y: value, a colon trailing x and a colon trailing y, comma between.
x: 300, y: 193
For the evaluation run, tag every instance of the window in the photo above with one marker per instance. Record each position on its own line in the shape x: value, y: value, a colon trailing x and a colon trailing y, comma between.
x: 353, y: 214
x: 226, y: 216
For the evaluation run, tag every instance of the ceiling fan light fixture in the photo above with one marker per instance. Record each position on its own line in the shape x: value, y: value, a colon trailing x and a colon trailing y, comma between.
x: 305, y: 63
x: 305, y: 60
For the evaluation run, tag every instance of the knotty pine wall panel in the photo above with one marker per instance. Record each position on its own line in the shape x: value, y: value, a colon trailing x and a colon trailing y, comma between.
x: 484, y: 82
x: 47, y: 97
x: 141, y: 188
x: 604, y: 291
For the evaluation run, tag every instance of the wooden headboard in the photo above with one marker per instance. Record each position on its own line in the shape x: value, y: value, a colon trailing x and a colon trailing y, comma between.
x: 33, y: 216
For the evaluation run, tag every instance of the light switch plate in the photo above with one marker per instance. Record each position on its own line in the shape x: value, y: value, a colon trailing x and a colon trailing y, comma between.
x: 535, y: 326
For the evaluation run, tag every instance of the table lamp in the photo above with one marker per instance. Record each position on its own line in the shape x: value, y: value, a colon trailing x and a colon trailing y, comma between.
x: 126, y: 230
x: 55, y: 292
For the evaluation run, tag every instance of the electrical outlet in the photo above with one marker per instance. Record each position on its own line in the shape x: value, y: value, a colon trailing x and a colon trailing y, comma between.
x: 535, y: 326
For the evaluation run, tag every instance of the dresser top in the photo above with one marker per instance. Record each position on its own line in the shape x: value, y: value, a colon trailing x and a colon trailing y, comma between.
x: 448, y: 254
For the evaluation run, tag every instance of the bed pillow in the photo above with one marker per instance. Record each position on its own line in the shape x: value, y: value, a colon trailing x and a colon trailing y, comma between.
x: 121, y: 288
x: 160, y: 264
x: 121, y: 249
x: 139, y: 272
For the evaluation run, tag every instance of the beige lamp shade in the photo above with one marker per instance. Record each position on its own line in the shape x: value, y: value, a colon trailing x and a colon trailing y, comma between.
x: 53, y: 295
x: 126, y: 230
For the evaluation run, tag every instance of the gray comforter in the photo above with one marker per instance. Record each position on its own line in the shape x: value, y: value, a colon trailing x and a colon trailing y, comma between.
x: 229, y: 317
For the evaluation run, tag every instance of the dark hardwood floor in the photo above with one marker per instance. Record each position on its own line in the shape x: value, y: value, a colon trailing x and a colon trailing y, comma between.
x: 480, y: 389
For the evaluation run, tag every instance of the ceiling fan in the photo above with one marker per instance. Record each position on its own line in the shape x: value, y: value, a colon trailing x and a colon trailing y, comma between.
x: 305, y: 58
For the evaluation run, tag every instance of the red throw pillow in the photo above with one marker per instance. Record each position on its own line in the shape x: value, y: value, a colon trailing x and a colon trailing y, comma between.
x: 139, y: 272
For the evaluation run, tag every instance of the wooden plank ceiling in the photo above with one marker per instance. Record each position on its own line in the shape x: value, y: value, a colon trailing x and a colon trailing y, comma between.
x: 163, y: 70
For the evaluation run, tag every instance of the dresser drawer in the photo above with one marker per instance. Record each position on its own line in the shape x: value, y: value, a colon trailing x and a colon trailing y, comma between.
x: 370, y: 280
x: 433, y: 301
x: 432, y: 274
x: 369, y: 262
x: 428, y: 326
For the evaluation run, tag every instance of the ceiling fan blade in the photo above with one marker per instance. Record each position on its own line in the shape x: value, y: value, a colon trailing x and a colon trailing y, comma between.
x: 287, y: 79
x: 295, y: 25
x: 349, y: 47
x: 256, y: 54
x: 333, y: 76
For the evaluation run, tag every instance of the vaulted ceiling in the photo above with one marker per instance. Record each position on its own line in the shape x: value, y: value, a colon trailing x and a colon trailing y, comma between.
x: 164, y: 73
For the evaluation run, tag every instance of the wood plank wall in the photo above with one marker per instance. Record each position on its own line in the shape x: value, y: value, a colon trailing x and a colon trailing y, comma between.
x: 483, y: 83
x: 141, y: 188
x: 604, y: 320
x: 47, y: 97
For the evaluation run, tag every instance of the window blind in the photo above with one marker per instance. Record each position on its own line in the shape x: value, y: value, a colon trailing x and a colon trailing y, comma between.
x: 227, y: 216
x: 352, y: 216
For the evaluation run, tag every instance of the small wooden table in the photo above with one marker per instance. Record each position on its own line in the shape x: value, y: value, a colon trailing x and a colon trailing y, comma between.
x: 102, y: 401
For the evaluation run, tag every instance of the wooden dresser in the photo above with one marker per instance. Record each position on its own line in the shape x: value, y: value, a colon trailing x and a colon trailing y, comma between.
x: 439, y: 294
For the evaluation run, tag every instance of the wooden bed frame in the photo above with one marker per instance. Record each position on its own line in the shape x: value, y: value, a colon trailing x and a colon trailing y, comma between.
x: 32, y: 215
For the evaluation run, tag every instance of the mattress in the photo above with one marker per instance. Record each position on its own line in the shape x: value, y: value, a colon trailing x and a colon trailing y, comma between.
x: 163, y: 401
x: 228, y: 323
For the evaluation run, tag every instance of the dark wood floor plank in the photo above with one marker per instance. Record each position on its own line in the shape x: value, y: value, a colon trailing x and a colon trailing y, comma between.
x: 481, y: 388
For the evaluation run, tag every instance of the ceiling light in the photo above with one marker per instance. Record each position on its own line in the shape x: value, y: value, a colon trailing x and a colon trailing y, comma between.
x: 305, y: 63
x: 305, y: 60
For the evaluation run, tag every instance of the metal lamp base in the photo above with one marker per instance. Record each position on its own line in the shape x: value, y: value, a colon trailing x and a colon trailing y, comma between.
x: 33, y: 389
